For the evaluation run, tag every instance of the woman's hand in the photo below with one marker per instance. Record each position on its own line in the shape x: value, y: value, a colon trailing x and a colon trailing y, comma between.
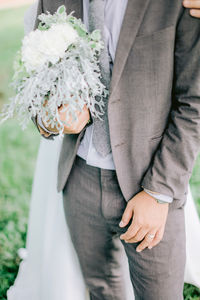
x: 75, y: 127
x: 194, y: 6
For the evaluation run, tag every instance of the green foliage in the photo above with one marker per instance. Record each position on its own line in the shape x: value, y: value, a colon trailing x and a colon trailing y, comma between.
x: 38, y: 72
x: 191, y: 292
x: 11, y: 33
x: 47, y: 20
x: 195, y: 183
x: 61, y: 9
x: 19, y: 68
x: 17, y: 159
x: 18, y: 151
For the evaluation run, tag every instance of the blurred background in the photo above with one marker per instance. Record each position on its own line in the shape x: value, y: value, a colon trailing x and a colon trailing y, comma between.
x: 18, y: 152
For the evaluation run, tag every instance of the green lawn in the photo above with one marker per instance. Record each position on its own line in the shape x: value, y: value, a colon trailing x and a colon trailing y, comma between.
x: 11, y: 32
x: 18, y: 150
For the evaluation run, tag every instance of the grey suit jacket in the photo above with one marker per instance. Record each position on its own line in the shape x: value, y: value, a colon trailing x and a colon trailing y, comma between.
x: 154, y: 104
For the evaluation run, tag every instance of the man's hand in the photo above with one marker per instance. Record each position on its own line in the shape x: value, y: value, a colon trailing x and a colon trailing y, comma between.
x: 76, y: 126
x: 148, y: 221
x: 194, y: 6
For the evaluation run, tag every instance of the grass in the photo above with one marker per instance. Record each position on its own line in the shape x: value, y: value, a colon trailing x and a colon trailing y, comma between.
x: 18, y: 152
x: 11, y: 32
x: 195, y: 184
x: 17, y: 159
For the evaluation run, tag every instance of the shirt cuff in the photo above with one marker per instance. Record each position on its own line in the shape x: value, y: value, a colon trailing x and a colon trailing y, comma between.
x: 40, y: 123
x: 159, y: 197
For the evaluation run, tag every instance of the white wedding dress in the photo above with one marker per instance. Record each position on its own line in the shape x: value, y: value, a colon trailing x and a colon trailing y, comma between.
x: 50, y: 269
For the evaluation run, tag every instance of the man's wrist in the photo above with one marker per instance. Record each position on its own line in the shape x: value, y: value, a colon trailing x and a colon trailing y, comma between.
x: 41, y: 124
x: 160, y: 198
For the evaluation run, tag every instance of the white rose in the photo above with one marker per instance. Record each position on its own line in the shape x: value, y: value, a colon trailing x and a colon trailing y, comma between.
x: 40, y: 47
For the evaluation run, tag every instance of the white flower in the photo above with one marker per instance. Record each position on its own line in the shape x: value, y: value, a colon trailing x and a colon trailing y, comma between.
x: 58, y: 74
x: 40, y: 47
x: 23, y: 253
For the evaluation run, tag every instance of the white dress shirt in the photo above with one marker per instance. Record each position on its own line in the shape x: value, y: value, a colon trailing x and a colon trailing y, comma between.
x: 114, y: 15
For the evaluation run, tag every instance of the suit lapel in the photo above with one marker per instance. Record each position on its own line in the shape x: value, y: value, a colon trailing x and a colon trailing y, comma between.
x: 76, y: 6
x: 133, y: 17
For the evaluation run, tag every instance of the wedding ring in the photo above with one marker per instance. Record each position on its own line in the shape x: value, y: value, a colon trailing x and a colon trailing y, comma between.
x: 151, y: 236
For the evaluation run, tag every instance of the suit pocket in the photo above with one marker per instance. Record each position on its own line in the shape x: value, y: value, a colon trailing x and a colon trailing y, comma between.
x: 160, y: 32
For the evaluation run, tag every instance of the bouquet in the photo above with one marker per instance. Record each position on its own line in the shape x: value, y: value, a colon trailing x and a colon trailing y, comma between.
x: 58, y: 64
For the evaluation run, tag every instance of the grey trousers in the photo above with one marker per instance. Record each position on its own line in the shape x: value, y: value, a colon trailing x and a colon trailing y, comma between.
x: 94, y: 205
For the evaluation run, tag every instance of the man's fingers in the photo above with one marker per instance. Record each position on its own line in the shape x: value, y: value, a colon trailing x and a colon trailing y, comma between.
x: 191, y: 3
x: 139, y: 236
x: 157, y: 239
x: 42, y: 132
x: 127, y: 215
x: 83, y: 119
x: 131, y: 232
x: 195, y: 7
x: 195, y: 13
x: 79, y: 124
x: 147, y: 240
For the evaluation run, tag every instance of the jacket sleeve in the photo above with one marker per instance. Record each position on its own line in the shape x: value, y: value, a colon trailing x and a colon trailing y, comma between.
x: 43, y: 133
x: 172, y: 164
